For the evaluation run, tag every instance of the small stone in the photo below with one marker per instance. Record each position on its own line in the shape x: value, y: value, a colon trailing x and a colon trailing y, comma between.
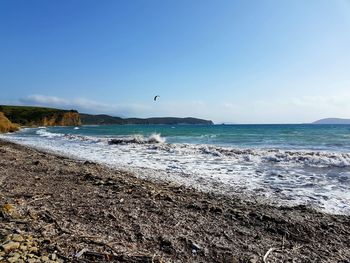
x: 253, y: 259
x: 33, y: 249
x: 17, y: 238
x: 53, y: 256
x: 23, y: 248
x: 10, y: 246
x: 45, y: 258
x: 18, y: 231
x: 14, y: 258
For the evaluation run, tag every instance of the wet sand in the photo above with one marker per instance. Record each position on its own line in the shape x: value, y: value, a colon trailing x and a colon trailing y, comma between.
x: 86, y: 212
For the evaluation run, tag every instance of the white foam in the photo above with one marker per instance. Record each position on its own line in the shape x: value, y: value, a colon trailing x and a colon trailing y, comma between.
x: 321, y: 179
x: 44, y: 133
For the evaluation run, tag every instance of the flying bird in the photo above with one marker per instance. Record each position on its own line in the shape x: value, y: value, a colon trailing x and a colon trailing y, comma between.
x: 155, y: 98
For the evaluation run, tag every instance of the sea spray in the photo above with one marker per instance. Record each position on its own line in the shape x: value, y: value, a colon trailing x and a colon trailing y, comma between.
x: 138, y: 139
x: 156, y: 138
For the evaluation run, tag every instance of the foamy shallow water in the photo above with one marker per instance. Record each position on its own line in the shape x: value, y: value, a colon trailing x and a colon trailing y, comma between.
x: 284, y: 177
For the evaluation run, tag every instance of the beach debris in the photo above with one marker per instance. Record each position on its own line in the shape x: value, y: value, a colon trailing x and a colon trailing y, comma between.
x: 81, y: 252
x: 267, y: 254
x: 9, y: 211
x: 254, y: 259
x: 195, y: 246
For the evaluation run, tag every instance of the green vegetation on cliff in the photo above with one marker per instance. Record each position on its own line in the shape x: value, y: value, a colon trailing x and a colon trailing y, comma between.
x: 39, y: 116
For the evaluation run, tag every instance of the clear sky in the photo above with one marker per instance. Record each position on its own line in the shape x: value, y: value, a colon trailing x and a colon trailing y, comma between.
x: 248, y: 61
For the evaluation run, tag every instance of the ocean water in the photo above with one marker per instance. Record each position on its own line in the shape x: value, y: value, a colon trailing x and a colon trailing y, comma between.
x: 278, y: 164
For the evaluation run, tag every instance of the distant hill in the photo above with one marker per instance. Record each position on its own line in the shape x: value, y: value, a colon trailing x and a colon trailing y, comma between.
x: 90, y: 119
x: 100, y: 119
x: 332, y: 121
x: 168, y: 120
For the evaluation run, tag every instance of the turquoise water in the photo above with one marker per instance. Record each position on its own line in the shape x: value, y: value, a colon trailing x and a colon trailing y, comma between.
x: 307, y: 137
x: 280, y: 164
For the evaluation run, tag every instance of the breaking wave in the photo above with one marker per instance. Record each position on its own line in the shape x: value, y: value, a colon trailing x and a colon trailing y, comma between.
x: 44, y: 133
x: 318, y: 178
x: 273, y: 156
x: 138, y: 139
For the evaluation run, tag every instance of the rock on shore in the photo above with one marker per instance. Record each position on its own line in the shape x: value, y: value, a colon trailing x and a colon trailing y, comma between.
x: 6, y: 125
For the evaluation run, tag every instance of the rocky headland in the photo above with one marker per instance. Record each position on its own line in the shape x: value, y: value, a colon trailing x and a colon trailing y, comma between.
x: 6, y: 125
x: 38, y: 116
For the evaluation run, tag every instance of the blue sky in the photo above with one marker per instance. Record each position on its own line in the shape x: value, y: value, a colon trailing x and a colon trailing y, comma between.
x: 230, y: 61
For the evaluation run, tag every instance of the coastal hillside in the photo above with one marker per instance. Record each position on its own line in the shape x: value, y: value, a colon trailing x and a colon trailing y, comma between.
x: 332, y: 121
x: 100, y: 119
x: 39, y: 116
x: 89, y: 119
x: 6, y: 125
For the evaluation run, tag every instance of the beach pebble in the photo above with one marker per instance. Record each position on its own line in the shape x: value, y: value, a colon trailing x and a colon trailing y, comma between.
x: 45, y: 258
x: 10, y: 246
x: 253, y: 259
x: 17, y: 238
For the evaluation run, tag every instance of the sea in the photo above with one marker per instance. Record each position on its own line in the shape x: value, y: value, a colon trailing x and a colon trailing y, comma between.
x: 277, y: 164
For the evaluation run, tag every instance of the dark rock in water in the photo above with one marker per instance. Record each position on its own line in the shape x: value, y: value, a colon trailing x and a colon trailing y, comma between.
x: 127, y: 141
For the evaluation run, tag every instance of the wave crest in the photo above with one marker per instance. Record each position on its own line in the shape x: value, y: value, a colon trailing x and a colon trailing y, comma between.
x: 139, y: 139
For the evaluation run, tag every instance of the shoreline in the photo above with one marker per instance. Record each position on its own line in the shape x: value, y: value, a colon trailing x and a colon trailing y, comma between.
x: 113, y: 214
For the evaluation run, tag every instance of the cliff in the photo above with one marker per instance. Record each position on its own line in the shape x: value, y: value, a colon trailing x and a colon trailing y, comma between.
x: 6, y: 125
x: 38, y: 116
